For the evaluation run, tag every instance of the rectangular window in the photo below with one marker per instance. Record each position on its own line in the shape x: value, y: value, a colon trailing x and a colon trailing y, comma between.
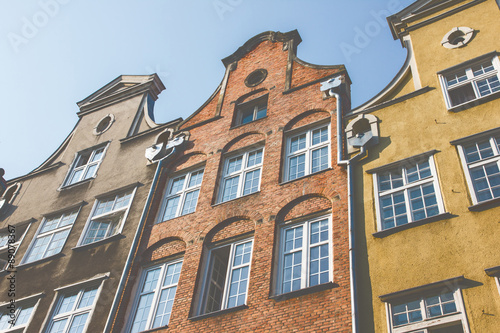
x: 307, y: 152
x: 241, y: 175
x: 18, y: 320
x: 481, y: 160
x: 51, y: 236
x: 85, y: 165
x: 226, y: 279
x: 305, y: 255
x: 251, y: 111
x: 155, y: 298
x: 73, y: 310
x: 10, y: 240
x: 408, y: 193
x: 440, y: 312
x: 108, y: 217
x: 471, y: 82
x: 181, y: 196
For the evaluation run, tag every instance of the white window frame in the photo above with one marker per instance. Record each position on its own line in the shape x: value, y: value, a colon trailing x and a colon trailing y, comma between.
x: 403, y: 166
x: 305, y: 252
x: 85, y: 167
x: 467, y: 167
x: 255, y: 106
x: 116, y: 217
x: 51, y: 234
x: 78, y: 289
x: 427, y: 321
x: 181, y: 194
x: 241, y: 173
x: 19, y: 305
x: 208, y: 270
x: 307, y: 150
x: 4, y: 255
x: 469, y: 78
x: 156, y: 291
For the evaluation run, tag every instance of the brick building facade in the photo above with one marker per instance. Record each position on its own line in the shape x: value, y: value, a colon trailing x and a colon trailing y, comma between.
x: 247, y: 229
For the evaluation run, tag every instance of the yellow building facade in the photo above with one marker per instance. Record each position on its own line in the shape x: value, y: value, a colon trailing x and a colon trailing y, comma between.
x: 427, y: 190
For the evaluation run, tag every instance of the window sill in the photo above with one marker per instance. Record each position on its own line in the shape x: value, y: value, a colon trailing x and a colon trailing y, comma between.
x: 306, y: 176
x: 250, y: 122
x: 243, y: 196
x: 218, y: 313
x: 40, y: 261
x: 156, y: 329
x: 304, y: 291
x: 81, y: 182
x: 393, y: 230
x: 474, y: 102
x: 102, y: 241
x: 484, y: 205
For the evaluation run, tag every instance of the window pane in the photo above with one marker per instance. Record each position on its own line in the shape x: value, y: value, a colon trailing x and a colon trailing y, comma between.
x: 462, y: 94
x: 164, y: 307
x: 297, y: 143
x: 57, y: 243
x: 190, y: 202
x: 196, y: 178
x: 297, y: 167
x: 88, y: 298
x: 142, y: 312
x: 234, y: 164
x: 488, y: 86
x: 171, y: 208
x: 247, y: 116
x: 251, y: 182
x: 319, y: 159
x: 78, y: 323
x: 177, y: 185
x: 230, y: 188
x: 58, y: 326
x: 261, y: 112
x: 320, y: 135
x: 98, y: 155
x: 393, y: 210
x: 90, y: 171
x: 254, y: 158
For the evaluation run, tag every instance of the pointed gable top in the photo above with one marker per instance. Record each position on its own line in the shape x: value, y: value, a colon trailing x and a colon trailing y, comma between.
x: 123, y: 87
x: 273, y: 36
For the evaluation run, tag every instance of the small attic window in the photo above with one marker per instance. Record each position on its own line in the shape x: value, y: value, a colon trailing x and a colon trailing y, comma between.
x: 457, y: 37
x: 104, y: 124
x: 256, y: 77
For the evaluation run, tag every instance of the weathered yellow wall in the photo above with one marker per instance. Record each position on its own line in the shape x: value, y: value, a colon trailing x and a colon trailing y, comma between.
x: 462, y: 245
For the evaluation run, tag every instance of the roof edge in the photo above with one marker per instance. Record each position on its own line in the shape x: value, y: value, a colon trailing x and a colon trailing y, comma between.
x: 273, y: 36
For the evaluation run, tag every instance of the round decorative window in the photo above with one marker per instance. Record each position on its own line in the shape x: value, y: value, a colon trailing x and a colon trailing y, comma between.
x: 104, y: 124
x: 256, y: 77
x: 457, y: 37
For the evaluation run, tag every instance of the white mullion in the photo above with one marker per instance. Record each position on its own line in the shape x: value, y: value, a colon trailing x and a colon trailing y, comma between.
x: 406, y: 195
x: 225, y: 290
x: 182, y: 195
x: 243, y: 172
x: 437, y: 187
x: 308, y: 153
x: 304, y: 281
x: 467, y: 170
x: 156, y: 297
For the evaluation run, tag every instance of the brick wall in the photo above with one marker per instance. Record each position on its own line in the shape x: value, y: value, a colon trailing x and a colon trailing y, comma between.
x: 259, y: 214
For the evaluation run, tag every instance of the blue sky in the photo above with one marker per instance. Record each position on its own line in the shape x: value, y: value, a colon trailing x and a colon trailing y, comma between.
x: 54, y: 53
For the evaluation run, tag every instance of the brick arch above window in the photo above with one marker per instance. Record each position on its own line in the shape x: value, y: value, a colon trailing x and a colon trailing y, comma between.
x: 252, y: 95
x: 305, y: 205
x: 186, y: 161
x: 306, y: 118
x: 229, y: 228
x: 164, y: 248
x: 244, y: 140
